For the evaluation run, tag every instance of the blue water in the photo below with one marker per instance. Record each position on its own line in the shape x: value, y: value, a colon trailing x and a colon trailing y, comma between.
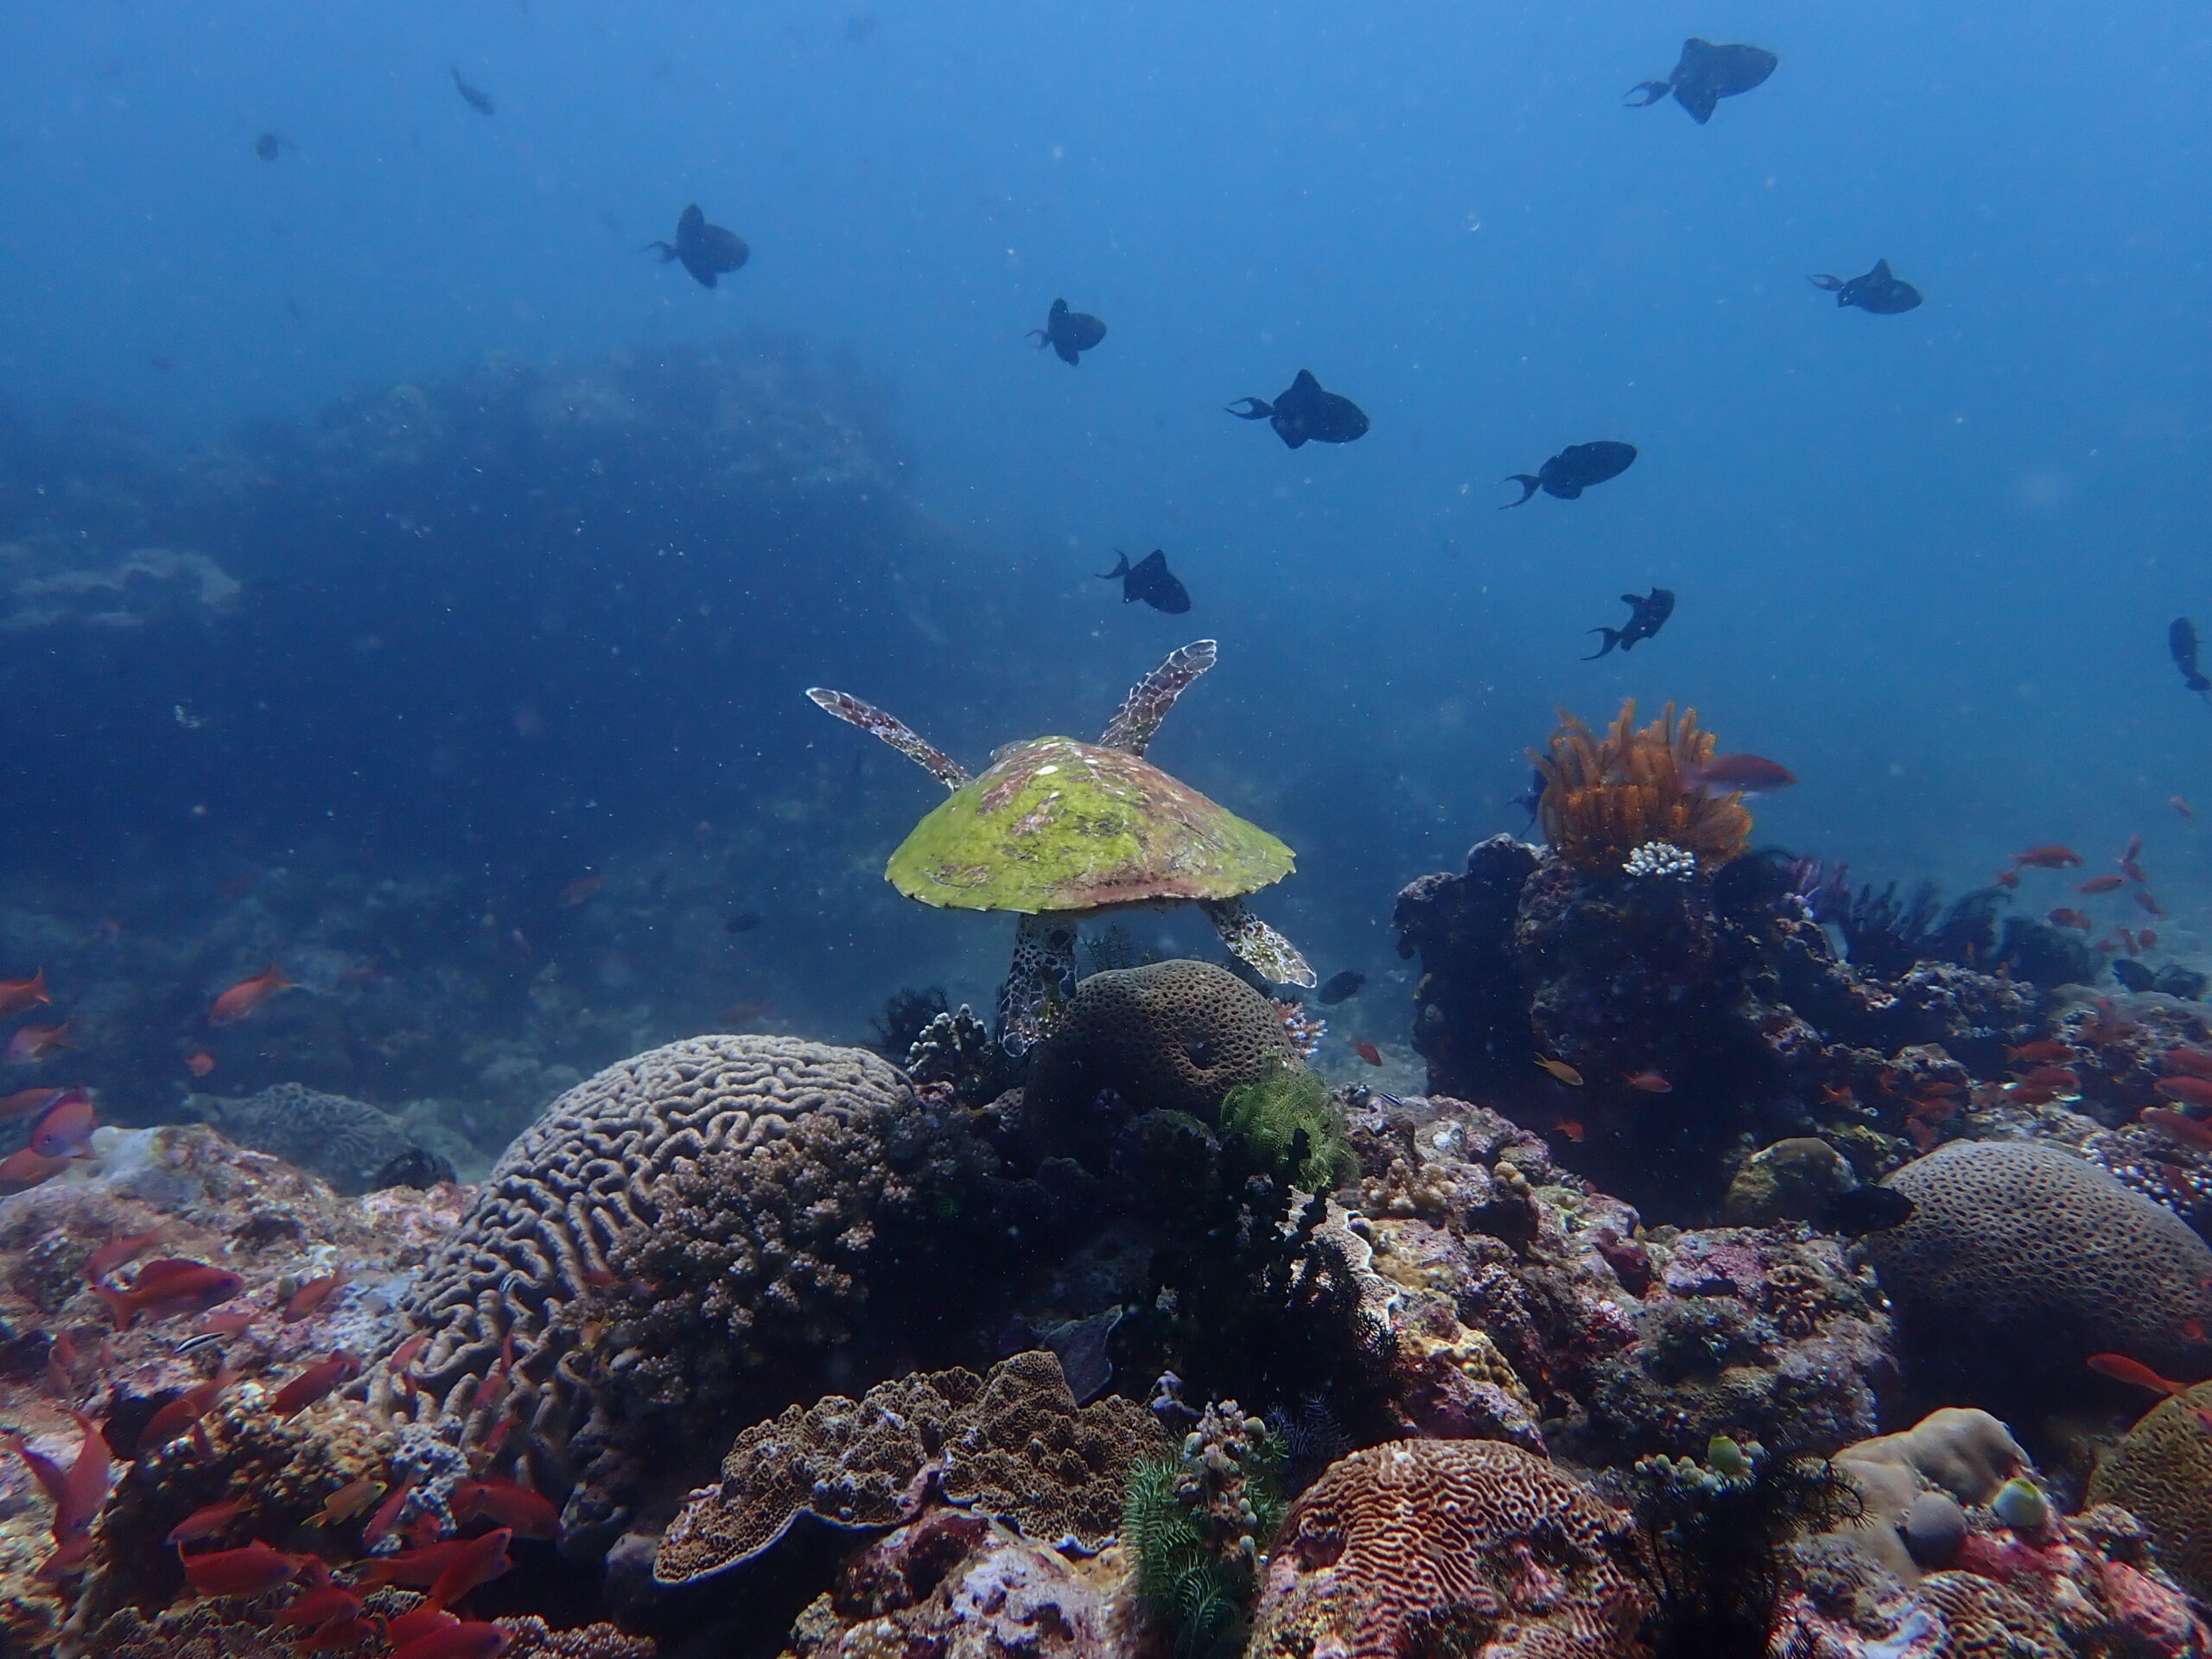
x: 1926, y: 561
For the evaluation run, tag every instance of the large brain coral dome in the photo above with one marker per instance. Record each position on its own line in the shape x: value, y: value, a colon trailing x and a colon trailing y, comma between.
x: 661, y: 1230
x: 2041, y: 1254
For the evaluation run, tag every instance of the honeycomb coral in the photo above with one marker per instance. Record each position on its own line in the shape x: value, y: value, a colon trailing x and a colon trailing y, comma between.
x: 343, y: 1141
x: 2039, y: 1254
x: 1472, y: 1542
x: 2161, y: 1472
x: 1169, y: 1036
x: 1606, y: 797
x: 1013, y: 1445
x: 747, y: 1179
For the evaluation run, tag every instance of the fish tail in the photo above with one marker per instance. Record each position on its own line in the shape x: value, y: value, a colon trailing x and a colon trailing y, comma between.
x: 1612, y: 638
x: 120, y: 1303
x: 1120, y: 569
x: 1042, y: 339
x: 1651, y: 91
x: 1831, y: 284
x: 1257, y: 408
x: 666, y: 249
x: 1528, y: 481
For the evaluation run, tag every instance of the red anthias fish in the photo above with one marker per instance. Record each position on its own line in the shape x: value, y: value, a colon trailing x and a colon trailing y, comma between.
x: 1650, y: 1081
x: 180, y: 1414
x: 2196, y: 1091
x: 2048, y: 857
x: 2102, y: 884
x: 118, y: 1251
x: 2125, y: 1370
x: 1750, y: 774
x: 420, y: 1567
x: 479, y: 1560
x: 167, y: 1288
x: 206, y: 1523
x: 468, y: 1641
x: 250, y: 1571
x: 417, y: 1622
x: 32, y: 1044
x: 2194, y: 1061
x: 1368, y: 1052
x: 511, y: 1504
x: 26, y: 1168
x: 2064, y: 917
x: 17, y: 995
x: 243, y: 998
x: 312, y: 1295
x: 324, y: 1606
x: 28, y: 1102
x: 66, y: 1131
x: 314, y: 1382
x: 2178, y: 1127
x: 85, y: 1488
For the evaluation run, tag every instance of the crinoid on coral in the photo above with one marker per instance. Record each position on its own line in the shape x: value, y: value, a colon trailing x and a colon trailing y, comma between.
x: 1195, y: 1523
x: 1291, y: 1125
x: 1605, y: 797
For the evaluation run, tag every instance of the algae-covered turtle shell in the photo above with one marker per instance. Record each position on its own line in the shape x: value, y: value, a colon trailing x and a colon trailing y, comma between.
x: 1059, y: 825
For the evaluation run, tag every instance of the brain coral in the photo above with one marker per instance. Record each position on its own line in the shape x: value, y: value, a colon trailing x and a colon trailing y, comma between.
x: 1169, y: 1036
x: 668, y: 1226
x: 1014, y: 1445
x: 2162, y: 1473
x: 2042, y: 1254
x: 1463, y: 1546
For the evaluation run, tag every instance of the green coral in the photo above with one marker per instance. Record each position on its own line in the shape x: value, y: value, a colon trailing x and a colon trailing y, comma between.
x: 1195, y: 1522
x: 1058, y: 825
x: 1290, y: 1125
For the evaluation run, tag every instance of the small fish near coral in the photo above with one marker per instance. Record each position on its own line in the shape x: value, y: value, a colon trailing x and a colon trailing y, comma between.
x: 1739, y: 774
x: 1560, y: 1070
x: 1864, y: 1209
x: 1706, y: 73
x: 1150, y: 579
x: 1338, y: 988
x: 707, y: 251
x: 248, y: 994
x: 32, y: 1044
x: 1647, y: 613
x: 1306, y: 414
x: 17, y: 995
x: 1574, y: 469
x: 1879, y: 290
x: 1069, y: 334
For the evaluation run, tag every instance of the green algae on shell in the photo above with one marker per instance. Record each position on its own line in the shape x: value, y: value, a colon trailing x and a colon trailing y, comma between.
x: 1056, y: 824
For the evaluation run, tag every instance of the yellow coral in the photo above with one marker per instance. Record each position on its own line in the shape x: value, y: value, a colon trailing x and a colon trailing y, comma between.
x: 1604, y: 798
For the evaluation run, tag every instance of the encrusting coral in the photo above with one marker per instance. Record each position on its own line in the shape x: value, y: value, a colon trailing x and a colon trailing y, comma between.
x: 1605, y: 797
x: 1451, y: 1547
x: 1013, y: 1445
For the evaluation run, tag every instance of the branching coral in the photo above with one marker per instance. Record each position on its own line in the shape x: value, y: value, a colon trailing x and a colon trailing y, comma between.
x: 1604, y: 798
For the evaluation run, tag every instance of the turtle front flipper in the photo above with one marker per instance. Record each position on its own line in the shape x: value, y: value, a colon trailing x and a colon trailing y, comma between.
x: 1151, y: 697
x: 1043, y: 970
x: 1249, y: 937
x: 893, y: 730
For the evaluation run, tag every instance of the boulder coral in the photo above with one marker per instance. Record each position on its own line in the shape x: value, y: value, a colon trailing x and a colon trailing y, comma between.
x: 2161, y: 1472
x: 1466, y: 1546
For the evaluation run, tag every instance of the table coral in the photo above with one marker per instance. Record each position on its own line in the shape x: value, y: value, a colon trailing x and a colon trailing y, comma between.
x: 1013, y: 1445
x: 1471, y: 1541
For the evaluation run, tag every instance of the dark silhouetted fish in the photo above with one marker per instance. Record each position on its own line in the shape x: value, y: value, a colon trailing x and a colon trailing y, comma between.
x: 706, y: 251
x: 1150, y: 579
x: 1864, y: 1209
x: 475, y: 97
x: 1705, y: 74
x: 1069, y: 334
x: 1534, y: 799
x: 1574, y: 469
x: 1340, y: 986
x: 2181, y: 640
x: 743, y: 922
x: 1647, y: 613
x: 270, y: 146
x: 1878, y: 291
x: 1305, y: 413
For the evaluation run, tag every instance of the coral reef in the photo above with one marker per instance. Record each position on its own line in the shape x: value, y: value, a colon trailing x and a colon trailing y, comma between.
x: 1195, y: 1524
x: 1171, y: 1036
x: 1606, y: 797
x: 705, y: 1215
x: 347, y: 1142
x: 1463, y: 1546
x: 2020, y: 1260
x: 2161, y: 1472
x: 1290, y: 1126
x: 1012, y: 1445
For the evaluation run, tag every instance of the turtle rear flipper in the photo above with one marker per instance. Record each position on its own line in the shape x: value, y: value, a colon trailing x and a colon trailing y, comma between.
x: 1151, y: 697
x: 893, y: 730
x: 1043, y: 970
x: 1253, y: 940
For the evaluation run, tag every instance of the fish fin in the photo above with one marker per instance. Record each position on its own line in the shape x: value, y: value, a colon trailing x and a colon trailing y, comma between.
x: 1291, y: 440
x: 1528, y: 481
x: 1066, y: 353
x: 1825, y: 281
x: 1150, y: 698
x: 1652, y: 91
x: 1059, y: 309
x: 894, y: 731
x: 1701, y: 104
x: 1254, y: 942
x: 1882, y: 269
x: 1612, y: 638
x: 1119, y: 570
x: 1260, y: 410
x: 1305, y: 382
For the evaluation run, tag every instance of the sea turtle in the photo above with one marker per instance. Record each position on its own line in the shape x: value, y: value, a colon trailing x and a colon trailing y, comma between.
x: 1058, y: 830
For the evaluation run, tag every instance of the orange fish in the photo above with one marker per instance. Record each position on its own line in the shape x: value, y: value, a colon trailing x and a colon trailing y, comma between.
x: 312, y: 1295
x: 28, y: 1102
x: 1921, y: 1131
x: 2009, y: 879
x: 205, y: 1523
x: 2102, y: 884
x: 32, y: 1044
x: 86, y: 1487
x: 2119, y: 1366
x: 21, y: 1170
x: 577, y: 891
x: 347, y: 1502
x: 2182, y: 807
x: 2195, y: 1091
x: 170, y: 1288
x: 388, y: 1511
x: 2065, y: 918
x: 1367, y: 1051
x: 325, y: 1606
x: 1836, y: 1097
x: 2048, y: 857
x: 1650, y: 1081
x: 2178, y: 1127
x: 200, y: 1063
x: 2143, y: 898
x: 180, y: 1414
x: 66, y: 1131
x: 1750, y: 775
x: 314, y: 1382
x: 478, y: 1561
x: 418, y: 1568
x: 2194, y: 1061
x: 1572, y: 1128
x: 473, y: 1640
x: 17, y: 995
x: 116, y: 1251
x: 243, y: 998
x: 417, y: 1622
x: 1561, y: 1070
x: 247, y: 1572
x: 2147, y: 939
x: 2054, y: 1077
x: 236, y: 1323
x: 510, y: 1502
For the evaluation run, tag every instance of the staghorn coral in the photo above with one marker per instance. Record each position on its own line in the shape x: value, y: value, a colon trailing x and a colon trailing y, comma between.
x: 2161, y: 1472
x: 1470, y: 1541
x: 347, y: 1142
x: 758, y: 1184
x: 2021, y: 1258
x: 1169, y: 1036
x: 1606, y: 797
x: 1013, y: 1445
